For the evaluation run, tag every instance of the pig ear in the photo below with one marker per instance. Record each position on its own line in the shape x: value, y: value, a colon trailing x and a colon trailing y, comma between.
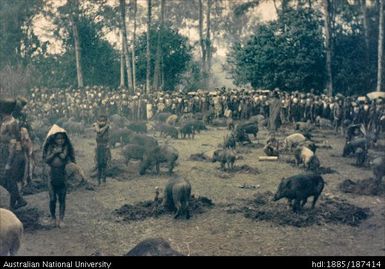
x: 288, y: 184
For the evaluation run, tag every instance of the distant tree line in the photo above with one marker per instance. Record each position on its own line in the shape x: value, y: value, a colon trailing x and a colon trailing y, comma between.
x: 323, y: 45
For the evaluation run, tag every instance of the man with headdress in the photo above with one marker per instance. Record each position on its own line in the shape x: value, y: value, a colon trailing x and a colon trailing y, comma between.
x: 275, y: 105
x: 12, y: 159
x: 25, y: 133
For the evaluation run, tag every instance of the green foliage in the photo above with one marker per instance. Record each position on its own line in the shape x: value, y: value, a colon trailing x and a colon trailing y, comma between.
x: 176, y: 56
x: 17, y: 41
x: 287, y: 54
x: 100, y: 62
x: 350, y: 69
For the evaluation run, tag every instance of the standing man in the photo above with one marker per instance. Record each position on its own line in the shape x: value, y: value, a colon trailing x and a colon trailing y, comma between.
x: 12, y: 159
x: 275, y: 105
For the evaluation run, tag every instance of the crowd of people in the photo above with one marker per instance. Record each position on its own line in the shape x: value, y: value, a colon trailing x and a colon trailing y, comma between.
x: 82, y: 105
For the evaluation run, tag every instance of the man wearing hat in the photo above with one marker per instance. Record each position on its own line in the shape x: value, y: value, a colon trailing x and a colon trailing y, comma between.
x: 12, y: 159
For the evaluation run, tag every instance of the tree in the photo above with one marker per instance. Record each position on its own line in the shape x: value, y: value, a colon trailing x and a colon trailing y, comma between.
x: 99, y: 60
x: 176, y: 56
x: 17, y: 41
x: 157, y: 71
x: 290, y: 59
x: 380, y: 46
x: 122, y: 5
x: 328, y: 46
x: 135, y: 9
x: 148, y: 47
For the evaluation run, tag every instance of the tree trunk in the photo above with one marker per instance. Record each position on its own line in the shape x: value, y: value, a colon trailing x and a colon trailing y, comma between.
x: 284, y: 5
x: 380, y: 46
x: 365, y: 22
x: 275, y: 7
x: 122, y: 4
x: 148, y: 54
x: 135, y: 4
x: 208, y: 43
x: 122, y: 79
x: 78, y: 56
x: 159, y: 48
x: 329, y: 82
x: 202, y: 43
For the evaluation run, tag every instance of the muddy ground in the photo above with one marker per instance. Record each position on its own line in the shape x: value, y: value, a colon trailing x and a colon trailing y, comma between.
x: 241, y: 221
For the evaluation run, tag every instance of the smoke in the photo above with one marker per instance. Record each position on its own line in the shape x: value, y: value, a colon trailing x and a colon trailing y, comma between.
x: 220, y: 77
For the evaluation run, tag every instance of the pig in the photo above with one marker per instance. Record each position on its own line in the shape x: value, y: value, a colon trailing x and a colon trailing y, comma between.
x: 118, y: 121
x: 169, y: 131
x: 229, y: 142
x: 177, y: 194
x: 153, y: 247
x: 307, y: 157
x: 5, y: 198
x: 187, y: 129
x: 351, y: 146
x: 198, y: 125
x: 362, y: 156
x: 250, y: 128
x: 198, y: 116
x: 224, y: 157
x: 310, y: 145
x: 299, y: 188
x: 171, y: 120
x: 138, y: 127
x: 303, y: 126
x: 74, y: 175
x: 144, y: 140
x: 133, y: 151
x: 378, y: 165
x: 11, y: 233
x: 157, y: 155
x: 270, y: 150
x: 241, y: 136
x: 323, y: 123
x: 121, y: 135
x: 258, y: 119
x: 162, y: 116
x: 353, y: 130
x: 221, y: 122
x: 293, y: 140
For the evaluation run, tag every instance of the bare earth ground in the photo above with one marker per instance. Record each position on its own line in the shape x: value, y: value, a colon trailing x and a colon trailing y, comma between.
x: 91, y: 224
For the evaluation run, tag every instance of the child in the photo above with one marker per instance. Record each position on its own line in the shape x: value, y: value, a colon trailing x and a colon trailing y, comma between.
x: 102, y: 152
x: 57, y: 153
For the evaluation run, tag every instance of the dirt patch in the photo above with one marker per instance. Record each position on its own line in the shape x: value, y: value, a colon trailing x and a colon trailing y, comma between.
x: 34, y: 187
x: 363, y: 187
x: 336, y: 211
x: 200, y: 157
x: 117, y: 168
x: 31, y: 219
x: 243, y: 169
x: 154, y: 209
x: 326, y: 170
x: 255, y: 145
x: 246, y: 169
x: 322, y: 170
x: 243, y: 150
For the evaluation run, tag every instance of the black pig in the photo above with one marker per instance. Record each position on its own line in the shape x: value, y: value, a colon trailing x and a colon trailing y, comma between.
x: 299, y: 188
